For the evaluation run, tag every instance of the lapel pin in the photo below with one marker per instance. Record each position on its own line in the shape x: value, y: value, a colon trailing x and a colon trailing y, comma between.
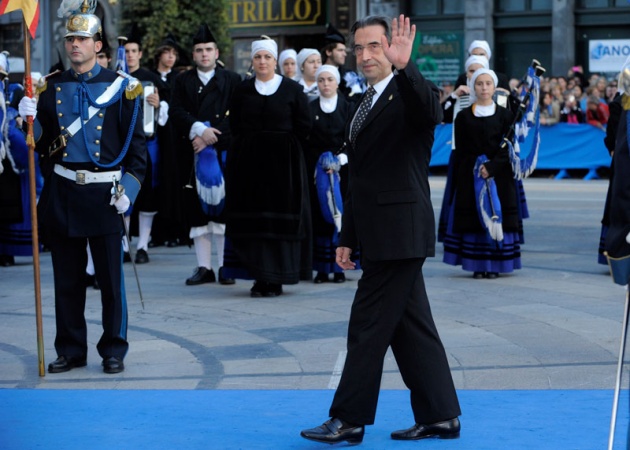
x: 390, y: 97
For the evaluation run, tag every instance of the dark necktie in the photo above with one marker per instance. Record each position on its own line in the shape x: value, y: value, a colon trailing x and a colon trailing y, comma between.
x: 364, y: 109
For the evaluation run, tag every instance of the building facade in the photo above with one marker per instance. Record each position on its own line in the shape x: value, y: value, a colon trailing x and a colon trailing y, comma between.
x: 559, y: 33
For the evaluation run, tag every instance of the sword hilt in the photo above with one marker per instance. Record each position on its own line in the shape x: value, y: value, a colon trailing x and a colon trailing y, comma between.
x: 118, y: 190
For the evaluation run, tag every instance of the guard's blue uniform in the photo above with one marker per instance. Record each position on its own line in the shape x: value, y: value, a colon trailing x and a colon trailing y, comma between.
x: 75, y: 207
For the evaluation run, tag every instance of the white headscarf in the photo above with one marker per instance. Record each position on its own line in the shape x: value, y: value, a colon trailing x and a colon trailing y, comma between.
x: 284, y: 55
x: 331, y: 70
x: 480, y: 44
x: 477, y: 59
x: 482, y: 71
x: 473, y: 96
x: 265, y: 44
x: 304, y: 54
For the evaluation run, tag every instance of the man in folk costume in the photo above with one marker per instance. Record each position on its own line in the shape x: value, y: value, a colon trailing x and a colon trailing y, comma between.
x: 146, y: 206
x: 334, y: 54
x: 168, y: 228
x: 104, y: 57
x: 200, y: 113
x: 87, y: 124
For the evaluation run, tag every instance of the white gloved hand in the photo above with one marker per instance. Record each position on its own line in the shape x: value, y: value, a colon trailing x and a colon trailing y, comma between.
x: 27, y: 107
x: 122, y: 203
x: 628, y: 238
x: 343, y: 159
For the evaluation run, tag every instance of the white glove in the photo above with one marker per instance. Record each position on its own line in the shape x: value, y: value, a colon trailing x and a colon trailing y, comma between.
x: 122, y: 204
x: 27, y: 107
x: 343, y: 159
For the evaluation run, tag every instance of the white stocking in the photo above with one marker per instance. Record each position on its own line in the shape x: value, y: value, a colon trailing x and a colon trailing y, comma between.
x: 145, y: 222
x: 203, y: 250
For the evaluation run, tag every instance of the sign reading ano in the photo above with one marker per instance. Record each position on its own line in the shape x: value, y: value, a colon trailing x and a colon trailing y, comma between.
x: 275, y: 13
x: 607, y: 55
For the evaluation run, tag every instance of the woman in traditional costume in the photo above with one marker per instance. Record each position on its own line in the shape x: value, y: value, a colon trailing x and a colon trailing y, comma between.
x: 287, y: 61
x: 309, y: 60
x: 268, y: 214
x: 480, y: 243
x: 457, y: 101
x: 329, y: 114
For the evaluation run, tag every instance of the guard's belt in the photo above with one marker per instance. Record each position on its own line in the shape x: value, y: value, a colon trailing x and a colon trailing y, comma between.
x: 87, y: 177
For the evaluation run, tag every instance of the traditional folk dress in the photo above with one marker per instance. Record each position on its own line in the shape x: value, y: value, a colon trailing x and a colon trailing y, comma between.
x: 268, y: 214
x: 479, y: 131
x: 329, y: 121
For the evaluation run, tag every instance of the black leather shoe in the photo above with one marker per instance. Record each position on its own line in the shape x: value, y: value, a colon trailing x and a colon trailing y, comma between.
x: 321, y: 277
x: 478, y: 275
x: 153, y: 244
x: 172, y: 244
x: 63, y: 364
x: 113, y: 364
x: 449, y: 429
x: 200, y: 276
x: 339, y: 278
x: 126, y: 257
x: 492, y: 275
x: 335, y: 430
x: 273, y: 290
x: 224, y: 280
x: 258, y: 289
x: 142, y: 257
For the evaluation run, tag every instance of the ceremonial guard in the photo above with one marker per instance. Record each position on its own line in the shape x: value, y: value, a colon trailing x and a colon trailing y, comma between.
x: 199, y: 111
x: 146, y: 206
x: 88, y: 127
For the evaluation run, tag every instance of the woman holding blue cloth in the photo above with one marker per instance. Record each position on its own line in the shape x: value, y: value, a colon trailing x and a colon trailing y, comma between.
x: 482, y: 233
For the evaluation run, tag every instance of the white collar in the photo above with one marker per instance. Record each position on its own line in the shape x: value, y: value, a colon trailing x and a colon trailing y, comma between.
x: 268, y: 87
x: 328, y: 105
x: 205, y: 77
x: 485, y: 110
x: 381, y: 85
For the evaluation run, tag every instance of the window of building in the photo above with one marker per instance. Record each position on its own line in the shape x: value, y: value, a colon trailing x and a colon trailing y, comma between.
x: 524, y: 5
x: 586, y: 4
x: 436, y: 7
x: 11, y: 39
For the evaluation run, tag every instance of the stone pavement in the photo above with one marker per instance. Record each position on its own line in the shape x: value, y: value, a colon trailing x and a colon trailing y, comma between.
x: 555, y: 324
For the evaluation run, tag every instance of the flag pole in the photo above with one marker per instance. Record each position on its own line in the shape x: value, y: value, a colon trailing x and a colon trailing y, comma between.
x: 30, y: 141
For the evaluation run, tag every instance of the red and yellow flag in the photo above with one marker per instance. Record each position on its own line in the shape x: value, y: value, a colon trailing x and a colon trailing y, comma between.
x: 30, y: 9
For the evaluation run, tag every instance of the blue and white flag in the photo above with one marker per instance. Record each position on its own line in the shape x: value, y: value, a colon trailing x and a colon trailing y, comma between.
x: 530, y: 118
x: 209, y: 179
x: 328, y: 188
x: 488, y: 204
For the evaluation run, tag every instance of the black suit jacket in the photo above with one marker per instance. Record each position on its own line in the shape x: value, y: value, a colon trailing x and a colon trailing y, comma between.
x: 388, y: 211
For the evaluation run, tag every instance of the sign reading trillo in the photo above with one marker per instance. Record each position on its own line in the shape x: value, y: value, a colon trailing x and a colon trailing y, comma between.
x: 274, y: 13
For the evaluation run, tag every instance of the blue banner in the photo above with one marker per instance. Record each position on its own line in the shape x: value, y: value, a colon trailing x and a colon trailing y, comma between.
x: 562, y: 146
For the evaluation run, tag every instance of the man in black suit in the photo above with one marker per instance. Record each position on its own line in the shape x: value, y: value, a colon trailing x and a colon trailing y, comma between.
x: 199, y: 110
x: 388, y: 214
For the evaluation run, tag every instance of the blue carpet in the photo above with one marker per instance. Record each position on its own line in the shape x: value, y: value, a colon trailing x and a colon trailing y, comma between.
x: 219, y: 419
